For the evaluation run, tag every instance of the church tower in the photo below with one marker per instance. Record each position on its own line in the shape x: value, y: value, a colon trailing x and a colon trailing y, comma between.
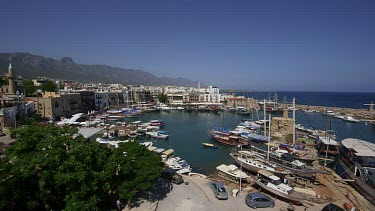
x: 11, y: 77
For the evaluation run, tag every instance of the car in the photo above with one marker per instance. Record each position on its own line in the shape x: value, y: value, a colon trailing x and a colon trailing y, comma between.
x: 219, y: 190
x: 258, y: 199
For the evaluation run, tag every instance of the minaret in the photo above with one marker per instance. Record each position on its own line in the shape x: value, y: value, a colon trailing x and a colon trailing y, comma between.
x: 11, y: 77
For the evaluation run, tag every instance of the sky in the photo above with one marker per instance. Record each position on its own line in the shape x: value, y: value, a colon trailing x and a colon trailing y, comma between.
x: 284, y: 45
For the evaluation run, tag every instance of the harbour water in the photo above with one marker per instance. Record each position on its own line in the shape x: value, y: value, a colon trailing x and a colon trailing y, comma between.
x: 189, y: 129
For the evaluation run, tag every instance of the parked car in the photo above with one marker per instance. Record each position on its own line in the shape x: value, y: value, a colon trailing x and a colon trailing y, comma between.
x: 258, y: 199
x: 219, y: 190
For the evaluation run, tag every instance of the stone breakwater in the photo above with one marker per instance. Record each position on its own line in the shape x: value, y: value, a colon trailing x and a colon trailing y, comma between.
x: 363, y: 114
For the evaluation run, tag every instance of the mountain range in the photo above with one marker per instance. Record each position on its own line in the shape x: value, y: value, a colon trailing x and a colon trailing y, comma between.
x: 30, y: 66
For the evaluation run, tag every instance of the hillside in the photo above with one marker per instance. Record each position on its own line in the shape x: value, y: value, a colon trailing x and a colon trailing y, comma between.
x: 30, y: 66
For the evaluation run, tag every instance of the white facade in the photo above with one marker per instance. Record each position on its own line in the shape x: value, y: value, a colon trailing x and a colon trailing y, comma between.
x: 211, y: 94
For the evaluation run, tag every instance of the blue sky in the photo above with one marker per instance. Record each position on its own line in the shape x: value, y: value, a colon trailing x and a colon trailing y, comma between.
x: 257, y: 45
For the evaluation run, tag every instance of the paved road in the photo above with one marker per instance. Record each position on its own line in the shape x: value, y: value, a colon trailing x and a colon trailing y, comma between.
x: 197, y: 195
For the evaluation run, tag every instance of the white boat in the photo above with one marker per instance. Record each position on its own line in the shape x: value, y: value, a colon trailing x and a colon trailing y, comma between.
x: 267, y: 181
x: 184, y: 170
x: 251, y: 162
x: 350, y: 119
x: 147, y: 144
x: 328, y: 113
x: 198, y: 175
x: 231, y: 173
x: 209, y: 145
x: 339, y: 116
x: 157, y: 134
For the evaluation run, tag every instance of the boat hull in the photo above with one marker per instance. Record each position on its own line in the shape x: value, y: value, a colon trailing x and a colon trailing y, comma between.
x: 294, y: 200
x: 254, y: 169
x: 358, y: 183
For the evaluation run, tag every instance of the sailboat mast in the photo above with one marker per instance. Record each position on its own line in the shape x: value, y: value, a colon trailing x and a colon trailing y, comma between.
x: 269, y: 138
x: 294, y: 124
x: 264, y: 117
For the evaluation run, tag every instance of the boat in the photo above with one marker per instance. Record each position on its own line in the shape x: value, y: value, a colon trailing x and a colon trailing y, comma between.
x: 157, y: 134
x: 121, y: 133
x: 133, y: 134
x: 357, y: 157
x: 328, y: 113
x: 251, y: 162
x: 159, y: 123
x: 285, y: 160
x: 209, y: 145
x: 231, y: 173
x: 327, y: 146
x: 350, y: 119
x: 227, y: 137
x: 271, y: 183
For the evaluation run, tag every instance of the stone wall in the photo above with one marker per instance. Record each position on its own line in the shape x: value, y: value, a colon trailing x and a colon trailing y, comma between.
x: 281, y: 127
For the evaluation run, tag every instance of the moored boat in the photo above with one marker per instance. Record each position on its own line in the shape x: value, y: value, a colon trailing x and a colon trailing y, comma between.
x: 251, y: 162
x: 271, y: 183
x: 287, y: 161
x: 357, y: 157
x: 231, y: 173
x: 210, y: 145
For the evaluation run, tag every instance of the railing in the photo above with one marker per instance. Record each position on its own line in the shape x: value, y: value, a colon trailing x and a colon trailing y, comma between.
x: 363, y: 172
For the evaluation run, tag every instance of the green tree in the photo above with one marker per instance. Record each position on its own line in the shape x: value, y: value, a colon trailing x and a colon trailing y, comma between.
x: 29, y: 87
x: 49, y: 86
x: 52, y: 168
x: 163, y: 98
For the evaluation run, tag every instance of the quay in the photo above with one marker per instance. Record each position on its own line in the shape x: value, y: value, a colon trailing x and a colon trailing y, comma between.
x: 362, y: 114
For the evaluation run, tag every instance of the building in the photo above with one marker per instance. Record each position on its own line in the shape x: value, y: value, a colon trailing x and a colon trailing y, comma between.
x: 55, y: 106
x: 244, y: 102
x: 101, y: 100
x: 211, y: 94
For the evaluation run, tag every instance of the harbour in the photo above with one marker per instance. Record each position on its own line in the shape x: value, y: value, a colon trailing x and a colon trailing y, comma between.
x: 189, y: 130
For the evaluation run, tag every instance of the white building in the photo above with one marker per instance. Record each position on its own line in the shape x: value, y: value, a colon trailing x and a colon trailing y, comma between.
x: 211, y: 94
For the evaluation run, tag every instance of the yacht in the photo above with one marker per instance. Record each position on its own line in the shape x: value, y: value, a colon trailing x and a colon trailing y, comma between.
x: 271, y: 183
x: 350, y: 119
x: 231, y: 173
x: 251, y: 162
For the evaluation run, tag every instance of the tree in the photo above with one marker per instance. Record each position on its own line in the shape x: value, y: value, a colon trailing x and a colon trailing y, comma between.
x: 163, y: 98
x: 51, y: 168
x: 49, y: 86
x: 30, y: 89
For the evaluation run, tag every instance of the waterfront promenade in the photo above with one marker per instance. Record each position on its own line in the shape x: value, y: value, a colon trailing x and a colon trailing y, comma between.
x: 197, y: 195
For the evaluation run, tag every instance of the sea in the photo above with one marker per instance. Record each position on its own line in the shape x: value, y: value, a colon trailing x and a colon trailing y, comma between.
x: 188, y: 130
x: 329, y: 99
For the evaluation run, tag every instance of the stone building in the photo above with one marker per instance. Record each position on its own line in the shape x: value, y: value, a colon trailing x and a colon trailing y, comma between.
x: 281, y: 127
x: 242, y: 102
x: 54, y: 106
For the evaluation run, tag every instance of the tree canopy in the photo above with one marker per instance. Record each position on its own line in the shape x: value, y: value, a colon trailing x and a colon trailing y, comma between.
x: 29, y: 87
x: 163, y: 98
x: 49, y: 86
x: 52, y: 168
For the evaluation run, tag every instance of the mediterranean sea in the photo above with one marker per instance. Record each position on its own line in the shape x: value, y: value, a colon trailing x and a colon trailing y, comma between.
x: 329, y: 99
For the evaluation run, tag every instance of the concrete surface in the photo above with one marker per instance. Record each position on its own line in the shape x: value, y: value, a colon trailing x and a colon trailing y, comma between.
x: 197, y: 195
